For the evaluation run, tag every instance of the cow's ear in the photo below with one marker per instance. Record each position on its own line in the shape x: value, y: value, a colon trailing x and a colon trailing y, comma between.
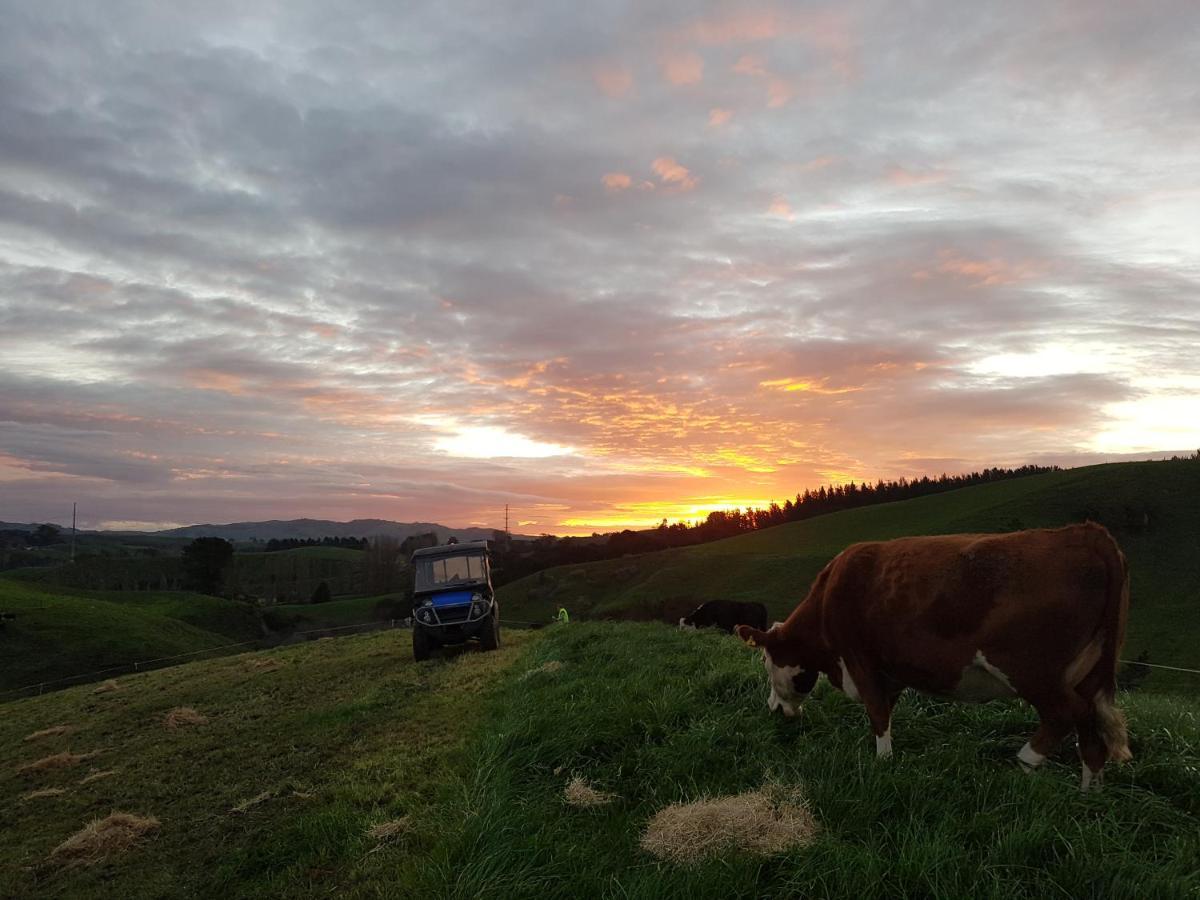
x: 755, y: 637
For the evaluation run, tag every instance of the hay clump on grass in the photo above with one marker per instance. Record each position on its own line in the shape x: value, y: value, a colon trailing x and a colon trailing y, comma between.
x: 96, y: 776
x: 267, y: 664
x: 389, y: 831
x: 184, y: 715
x: 43, y: 793
x: 252, y: 802
x: 579, y: 793
x: 107, y: 687
x: 53, y: 731
x: 547, y: 668
x: 64, y: 760
x: 114, y: 834
x: 762, y: 822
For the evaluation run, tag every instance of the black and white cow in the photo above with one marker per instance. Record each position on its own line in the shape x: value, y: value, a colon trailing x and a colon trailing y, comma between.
x: 726, y: 615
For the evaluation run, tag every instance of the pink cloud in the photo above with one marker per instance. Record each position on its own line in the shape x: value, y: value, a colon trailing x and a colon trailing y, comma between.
x: 902, y: 177
x: 718, y: 116
x: 617, y: 181
x: 820, y: 162
x: 993, y: 271
x: 781, y: 208
x: 749, y: 64
x: 740, y: 26
x: 613, y: 80
x: 681, y: 67
x: 779, y: 92
x: 672, y: 173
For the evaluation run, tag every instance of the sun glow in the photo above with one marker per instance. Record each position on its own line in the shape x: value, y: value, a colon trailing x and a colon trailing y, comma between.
x: 489, y: 442
x: 651, y: 513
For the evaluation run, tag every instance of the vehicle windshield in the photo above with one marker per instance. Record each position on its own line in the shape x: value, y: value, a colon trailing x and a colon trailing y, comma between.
x: 447, y: 570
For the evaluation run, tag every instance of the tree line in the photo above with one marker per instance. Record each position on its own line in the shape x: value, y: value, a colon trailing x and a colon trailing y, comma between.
x: 350, y: 543
x: 517, y: 559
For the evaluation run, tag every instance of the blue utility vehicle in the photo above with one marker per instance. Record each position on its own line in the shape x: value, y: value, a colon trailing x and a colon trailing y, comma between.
x: 453, y: 600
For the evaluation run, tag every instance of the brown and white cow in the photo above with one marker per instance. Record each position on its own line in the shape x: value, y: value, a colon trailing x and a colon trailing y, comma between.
x: 1034, y: 614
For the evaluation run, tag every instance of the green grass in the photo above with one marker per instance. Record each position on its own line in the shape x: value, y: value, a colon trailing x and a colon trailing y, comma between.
x: 656, y: 716
x: 477, y: 748
x: 344, y: 733
x: 64, y: 631
x: 333, y: 614
x: 775, y: 566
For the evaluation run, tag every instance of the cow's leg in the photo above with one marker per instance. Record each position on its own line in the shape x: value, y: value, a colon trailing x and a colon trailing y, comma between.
x: 1092, y: 751
x: 1058, y: 712
x: 879, y: 698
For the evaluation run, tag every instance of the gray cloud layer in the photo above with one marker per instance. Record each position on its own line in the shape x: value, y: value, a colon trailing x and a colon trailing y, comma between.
x: 268, y: 263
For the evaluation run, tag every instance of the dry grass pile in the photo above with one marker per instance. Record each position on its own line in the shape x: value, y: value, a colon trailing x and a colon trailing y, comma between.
x: 96, y: 776
x: 252, y: 802
x: 762, y: 822
x: 107, y: 687
x: 184, y: 715
x: 579, y: 793
x: 389, y: 831
x: 263, y: 664
x: 43, y: 793
x: 103, y: 837
x: 53, y: 731
x: 64, y: 760
x: 548, y: 668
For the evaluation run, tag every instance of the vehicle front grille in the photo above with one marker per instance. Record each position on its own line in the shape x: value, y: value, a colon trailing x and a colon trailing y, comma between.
x: 454, y: 615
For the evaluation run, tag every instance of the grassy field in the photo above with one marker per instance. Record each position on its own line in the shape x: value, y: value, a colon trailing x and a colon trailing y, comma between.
x: 470, y: 755
x: 333, y: 614
x: 327, y: 738
x: 1152, y: 508
x: 65, y: 631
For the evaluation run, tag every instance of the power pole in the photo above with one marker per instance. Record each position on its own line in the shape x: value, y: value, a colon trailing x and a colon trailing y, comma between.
x: 507, y: 533
x: 73, y: 505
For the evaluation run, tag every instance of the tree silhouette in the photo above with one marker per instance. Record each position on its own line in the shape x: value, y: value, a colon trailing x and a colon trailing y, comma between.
x: 204, y: 562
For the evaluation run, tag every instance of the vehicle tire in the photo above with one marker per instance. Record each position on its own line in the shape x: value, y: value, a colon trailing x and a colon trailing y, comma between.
x: 490, y: 639
x: 422, y: 645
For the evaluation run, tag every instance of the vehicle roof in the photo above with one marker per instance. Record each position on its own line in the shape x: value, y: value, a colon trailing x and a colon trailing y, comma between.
x: 452, y: 549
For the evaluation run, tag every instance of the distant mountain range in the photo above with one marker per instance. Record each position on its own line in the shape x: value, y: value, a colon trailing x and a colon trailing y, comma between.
x: 304, y: 529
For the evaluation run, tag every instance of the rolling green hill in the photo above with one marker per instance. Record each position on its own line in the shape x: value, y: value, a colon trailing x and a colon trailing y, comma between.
x: 333, y: 614
x: 64, y: 631
x: 1152, y: 508
x: 342, y: 768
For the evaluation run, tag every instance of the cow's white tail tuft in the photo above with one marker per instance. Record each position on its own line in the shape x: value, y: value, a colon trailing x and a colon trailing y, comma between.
x: 1112, y: 728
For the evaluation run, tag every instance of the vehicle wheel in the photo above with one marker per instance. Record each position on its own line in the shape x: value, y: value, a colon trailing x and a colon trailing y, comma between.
x: 490, y: 640
x: 421, y: 643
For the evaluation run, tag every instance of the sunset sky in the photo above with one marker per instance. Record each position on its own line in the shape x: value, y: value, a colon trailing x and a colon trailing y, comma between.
x: 606, y: 263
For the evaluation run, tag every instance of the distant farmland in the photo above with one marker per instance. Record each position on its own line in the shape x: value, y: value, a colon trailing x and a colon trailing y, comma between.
x: 1152, y: 508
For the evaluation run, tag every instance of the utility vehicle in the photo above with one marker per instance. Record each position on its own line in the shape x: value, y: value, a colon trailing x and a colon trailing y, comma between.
x: 453, y: 600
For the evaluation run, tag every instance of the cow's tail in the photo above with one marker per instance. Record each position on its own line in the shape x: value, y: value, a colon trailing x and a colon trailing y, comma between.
x: 1101, y: 682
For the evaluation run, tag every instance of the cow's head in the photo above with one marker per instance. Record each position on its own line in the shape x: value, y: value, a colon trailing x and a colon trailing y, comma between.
x: 791, y: 681
x: 686, y: 622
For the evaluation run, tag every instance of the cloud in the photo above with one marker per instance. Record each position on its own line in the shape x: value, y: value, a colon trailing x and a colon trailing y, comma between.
x: 617, y: 181
x: 673, y: 174
x: 680, y: 67
x: 252, y: 264
x: 781, y: 208
x: 612, y: 80
x: 718, y: 116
